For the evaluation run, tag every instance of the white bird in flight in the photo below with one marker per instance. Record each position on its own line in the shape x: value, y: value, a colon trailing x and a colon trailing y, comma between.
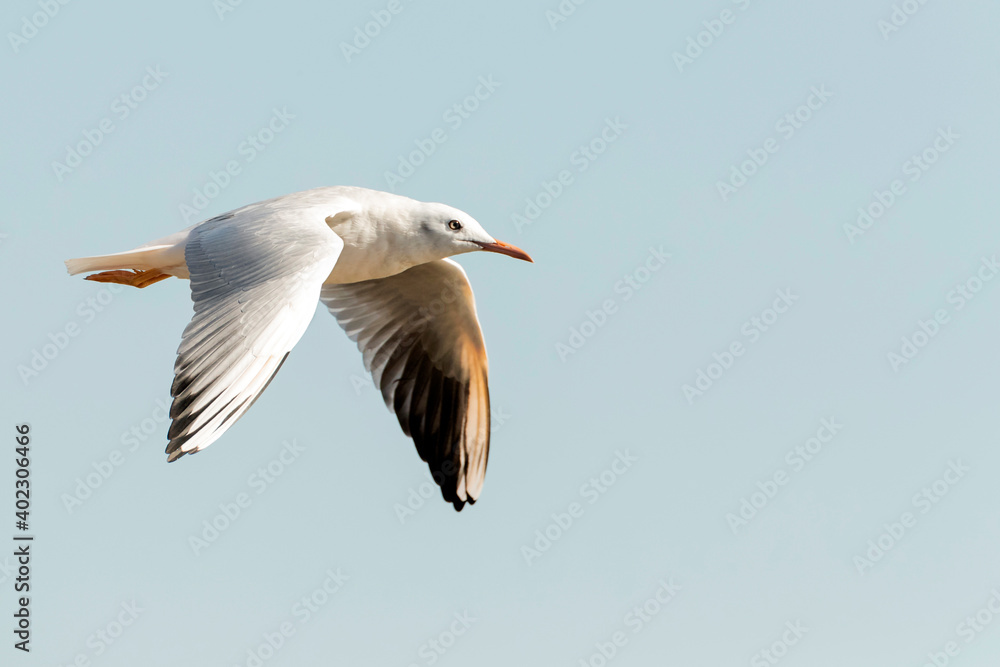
x: 378, y: 262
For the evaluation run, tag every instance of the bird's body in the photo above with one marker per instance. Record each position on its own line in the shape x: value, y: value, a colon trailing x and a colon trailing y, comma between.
x: 378, y: 262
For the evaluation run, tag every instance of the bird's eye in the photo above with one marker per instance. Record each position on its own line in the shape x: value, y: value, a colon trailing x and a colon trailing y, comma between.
x: 454, y: 225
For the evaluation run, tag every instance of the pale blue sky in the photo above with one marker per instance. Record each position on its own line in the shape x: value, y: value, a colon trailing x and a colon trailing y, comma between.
x: 277, y: 72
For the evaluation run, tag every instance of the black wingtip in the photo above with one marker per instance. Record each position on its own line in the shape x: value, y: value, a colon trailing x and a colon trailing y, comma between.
x: 459, y: 504
x: 173, y: 453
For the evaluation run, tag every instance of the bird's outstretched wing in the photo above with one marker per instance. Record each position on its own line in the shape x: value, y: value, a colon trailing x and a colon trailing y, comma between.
x: 422, y: 343
x: 255, y: 279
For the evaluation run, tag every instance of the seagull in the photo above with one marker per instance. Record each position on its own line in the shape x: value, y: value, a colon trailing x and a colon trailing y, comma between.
x: 379, y: 263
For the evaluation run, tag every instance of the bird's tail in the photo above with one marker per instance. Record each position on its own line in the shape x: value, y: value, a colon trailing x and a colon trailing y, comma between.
x: 139, y: 268
x: 133, y: 259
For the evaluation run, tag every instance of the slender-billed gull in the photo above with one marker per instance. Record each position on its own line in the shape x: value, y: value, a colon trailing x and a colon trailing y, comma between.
x: 378, y: 262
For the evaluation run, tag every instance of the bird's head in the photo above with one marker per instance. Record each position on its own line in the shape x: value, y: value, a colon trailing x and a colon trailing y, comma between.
x: 450, y: 231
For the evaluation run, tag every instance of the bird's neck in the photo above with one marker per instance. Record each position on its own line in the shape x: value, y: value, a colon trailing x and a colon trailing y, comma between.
x: 377, y: 246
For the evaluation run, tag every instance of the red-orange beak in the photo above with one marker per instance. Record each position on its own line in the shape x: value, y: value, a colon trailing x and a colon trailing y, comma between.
x: 506, y: 249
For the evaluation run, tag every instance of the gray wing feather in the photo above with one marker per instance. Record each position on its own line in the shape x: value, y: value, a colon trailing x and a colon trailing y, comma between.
x: 421, y: 341
x: 255, y: 279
